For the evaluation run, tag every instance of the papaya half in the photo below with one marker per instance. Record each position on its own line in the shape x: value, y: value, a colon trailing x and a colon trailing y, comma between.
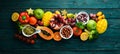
x: 46, y: 33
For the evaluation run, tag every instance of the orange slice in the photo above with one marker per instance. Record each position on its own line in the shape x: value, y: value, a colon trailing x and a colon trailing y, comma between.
x: 57, y: 36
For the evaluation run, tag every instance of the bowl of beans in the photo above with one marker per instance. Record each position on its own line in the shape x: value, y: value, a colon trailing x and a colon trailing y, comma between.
x: 66, y: 32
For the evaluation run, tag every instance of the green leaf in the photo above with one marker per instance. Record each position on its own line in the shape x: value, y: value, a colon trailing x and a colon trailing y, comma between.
x: 80, y: 25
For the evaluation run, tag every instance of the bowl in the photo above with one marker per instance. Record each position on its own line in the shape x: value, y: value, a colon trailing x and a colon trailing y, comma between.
x: 82, y: 17
x: 66, y: 32
x: 28, y: 27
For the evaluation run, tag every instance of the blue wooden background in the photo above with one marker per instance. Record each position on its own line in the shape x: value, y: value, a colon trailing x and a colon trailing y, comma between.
x: 107, y: 43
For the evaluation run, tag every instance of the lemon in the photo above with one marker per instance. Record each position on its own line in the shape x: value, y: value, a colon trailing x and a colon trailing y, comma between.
x: 84, y: 36
x: 15, y: 16
x: 101, y: 26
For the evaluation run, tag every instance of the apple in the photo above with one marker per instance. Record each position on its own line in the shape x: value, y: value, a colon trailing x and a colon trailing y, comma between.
x: 38, y: 13
x: 91, y: 25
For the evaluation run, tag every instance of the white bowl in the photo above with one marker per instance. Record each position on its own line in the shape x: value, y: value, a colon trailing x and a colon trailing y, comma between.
x: 83, y: 12
x: 36, y: 31
x: 67, y: 26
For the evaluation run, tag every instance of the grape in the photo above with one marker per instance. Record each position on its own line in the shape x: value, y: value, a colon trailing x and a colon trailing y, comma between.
x: 16, y: 35
x: 53, y: 24
x: 58, y: 16
x: 92, y: 15
x: 73, y: 20
x: 52, y: 19
x: 28, y: 41
x: 64, y: 21
x: 36, y: 25
x: 34, y: 36
x: 55, y: 16
x: 69, y: 20
x: 24, y: 39
x: 72, y: 24
x: 20, y: 37
x: 40, y: 23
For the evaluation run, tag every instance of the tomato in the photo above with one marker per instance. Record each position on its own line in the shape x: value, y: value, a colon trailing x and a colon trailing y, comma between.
x: 32, y: 42
x: 77, y: 31
x: 32, y: 20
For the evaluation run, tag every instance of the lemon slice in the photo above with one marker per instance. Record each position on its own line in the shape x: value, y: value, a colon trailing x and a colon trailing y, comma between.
x: 84, y: 36
x: 102, y: 26
x: 15, y: 16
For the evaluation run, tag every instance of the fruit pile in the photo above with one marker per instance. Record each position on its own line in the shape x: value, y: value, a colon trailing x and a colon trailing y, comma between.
x: 58, y: 25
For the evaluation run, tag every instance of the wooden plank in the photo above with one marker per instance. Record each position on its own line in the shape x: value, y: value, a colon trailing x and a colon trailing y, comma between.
x: 57, y: 52
x: 110, y: 43
x: 61, y: 3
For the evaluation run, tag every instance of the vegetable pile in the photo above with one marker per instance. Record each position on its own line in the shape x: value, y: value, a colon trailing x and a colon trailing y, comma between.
x: 58, y: 25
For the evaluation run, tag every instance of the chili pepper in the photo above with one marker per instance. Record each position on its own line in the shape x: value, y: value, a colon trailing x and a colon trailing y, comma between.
x: 24, y: 17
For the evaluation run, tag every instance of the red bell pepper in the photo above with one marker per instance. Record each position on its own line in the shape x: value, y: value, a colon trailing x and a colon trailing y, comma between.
x: 24, y: 17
